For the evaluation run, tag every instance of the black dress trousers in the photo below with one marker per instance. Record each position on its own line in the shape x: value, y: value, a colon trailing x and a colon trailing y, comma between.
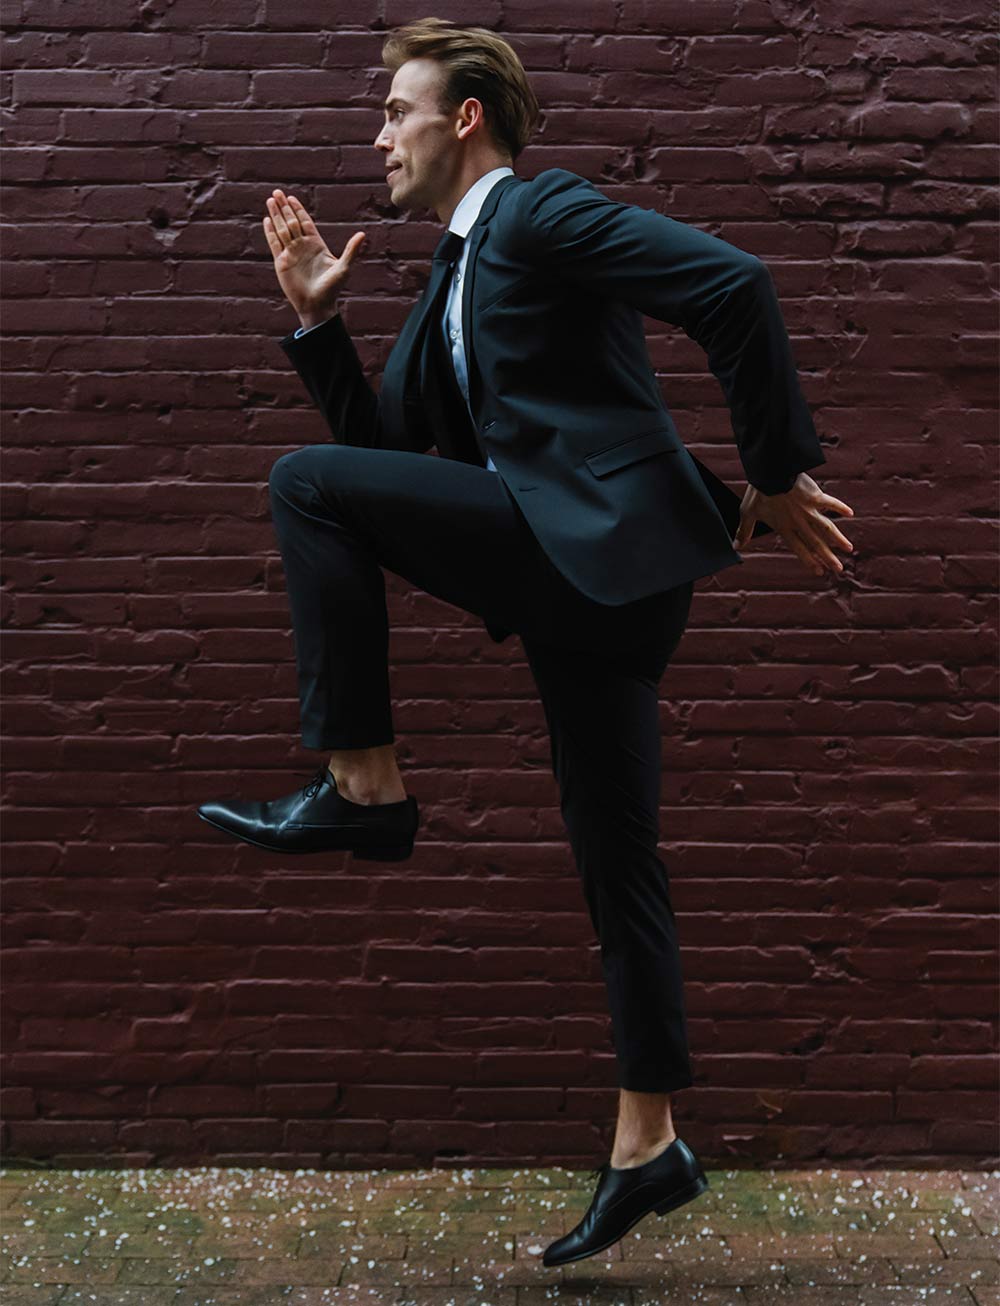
x: 342, y: 514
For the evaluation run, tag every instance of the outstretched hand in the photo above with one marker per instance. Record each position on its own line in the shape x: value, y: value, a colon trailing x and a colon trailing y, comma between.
x: 798, y: 517
x: 307, y: 271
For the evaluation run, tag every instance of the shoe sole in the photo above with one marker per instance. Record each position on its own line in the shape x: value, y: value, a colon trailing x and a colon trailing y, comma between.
x: 685, y: 1195
x: 376, y: 852
x: 679, y: 1198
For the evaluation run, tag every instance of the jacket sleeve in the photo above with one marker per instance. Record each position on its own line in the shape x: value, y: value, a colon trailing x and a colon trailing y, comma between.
x: 723, y: 298
x: 328, y: 363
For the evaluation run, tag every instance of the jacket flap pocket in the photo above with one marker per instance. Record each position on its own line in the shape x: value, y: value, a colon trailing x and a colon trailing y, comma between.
x: 661, y: 440
x: 501, y: 294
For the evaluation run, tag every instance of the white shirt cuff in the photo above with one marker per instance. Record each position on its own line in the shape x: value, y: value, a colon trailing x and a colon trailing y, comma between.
x: 301, y: 331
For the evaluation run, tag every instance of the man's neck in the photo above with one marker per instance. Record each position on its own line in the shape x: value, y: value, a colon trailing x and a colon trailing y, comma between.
x: 467, y: 178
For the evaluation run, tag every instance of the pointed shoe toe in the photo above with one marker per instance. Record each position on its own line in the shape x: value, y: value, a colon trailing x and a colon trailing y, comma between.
x: 318, y: 818
x: 624, y: 1197
x: 237, y: 817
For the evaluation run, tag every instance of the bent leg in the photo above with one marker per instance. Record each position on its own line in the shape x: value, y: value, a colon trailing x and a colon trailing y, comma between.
x: 341, y: 514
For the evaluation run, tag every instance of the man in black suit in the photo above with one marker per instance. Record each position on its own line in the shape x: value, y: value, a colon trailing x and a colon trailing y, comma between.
x: 563, y: 507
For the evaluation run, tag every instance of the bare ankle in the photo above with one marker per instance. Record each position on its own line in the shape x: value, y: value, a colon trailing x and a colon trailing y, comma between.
x: 370, y: 795
x: 367, y: 775
x: 640, y: 1151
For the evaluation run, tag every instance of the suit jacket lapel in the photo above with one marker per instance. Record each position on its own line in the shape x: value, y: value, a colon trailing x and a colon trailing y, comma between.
x: 475, y: 238
x: 400, y: 376
x: 399, y: 396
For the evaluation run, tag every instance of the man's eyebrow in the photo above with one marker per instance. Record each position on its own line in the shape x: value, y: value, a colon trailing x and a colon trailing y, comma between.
x: 395, y: 99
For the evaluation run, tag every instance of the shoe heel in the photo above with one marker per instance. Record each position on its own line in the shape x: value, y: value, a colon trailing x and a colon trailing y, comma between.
x: 693, y: 1190
x: 384, y: 852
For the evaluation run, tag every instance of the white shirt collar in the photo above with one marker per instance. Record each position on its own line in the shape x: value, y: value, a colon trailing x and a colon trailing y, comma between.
x: 468, y: 207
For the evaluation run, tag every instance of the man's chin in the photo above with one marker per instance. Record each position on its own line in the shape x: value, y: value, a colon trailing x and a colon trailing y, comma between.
x: 401, y: 196
x: 405, y: 195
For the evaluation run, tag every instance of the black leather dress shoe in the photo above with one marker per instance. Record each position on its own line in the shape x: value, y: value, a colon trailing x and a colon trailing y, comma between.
x: 318, y: 818
x: 623, y: 1197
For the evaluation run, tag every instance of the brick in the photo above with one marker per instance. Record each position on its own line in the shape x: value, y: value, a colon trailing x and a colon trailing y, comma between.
x: 48, y: 14
x: 208, y: 87
x: 256, y: 50
x: 116, y: 125
x: 320, y: 15
x: 84, y: 86
x: 140, y: 49
x: 42, y: 50
x: 882, y: 13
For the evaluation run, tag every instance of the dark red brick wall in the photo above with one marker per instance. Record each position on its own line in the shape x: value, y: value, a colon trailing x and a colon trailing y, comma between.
x: 829, y: 783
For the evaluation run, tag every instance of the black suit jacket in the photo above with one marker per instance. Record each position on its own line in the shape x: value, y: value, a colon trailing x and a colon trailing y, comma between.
x: 563, y: 392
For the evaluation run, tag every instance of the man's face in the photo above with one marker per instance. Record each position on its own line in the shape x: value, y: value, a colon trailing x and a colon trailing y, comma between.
x: 419, y: 141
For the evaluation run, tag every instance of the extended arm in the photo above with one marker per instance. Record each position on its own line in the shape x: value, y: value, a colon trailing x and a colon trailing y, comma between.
x: 722, y: 297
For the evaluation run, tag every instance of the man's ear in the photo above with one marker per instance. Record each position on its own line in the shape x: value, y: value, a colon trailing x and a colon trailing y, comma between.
x: 472, y: 111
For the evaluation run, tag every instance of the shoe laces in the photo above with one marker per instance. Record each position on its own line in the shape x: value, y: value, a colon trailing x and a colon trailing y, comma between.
x: 315, y: 784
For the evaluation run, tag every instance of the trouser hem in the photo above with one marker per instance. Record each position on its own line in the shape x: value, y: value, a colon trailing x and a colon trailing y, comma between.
x: 346, y: 741
x: 672, y: 1085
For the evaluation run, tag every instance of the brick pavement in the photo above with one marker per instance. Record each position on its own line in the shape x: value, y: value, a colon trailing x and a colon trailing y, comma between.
x: 253, y: 1237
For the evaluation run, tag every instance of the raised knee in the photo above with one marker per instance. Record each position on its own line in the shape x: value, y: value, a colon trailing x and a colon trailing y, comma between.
x: 284, y: 469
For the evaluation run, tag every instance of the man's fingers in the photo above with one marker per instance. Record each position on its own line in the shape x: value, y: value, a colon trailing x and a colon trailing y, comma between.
x: 804, y: 539
x: 291, y: 221
x: 274, y: 210
x: 837, y: 534
x: 273, y: 243
x: 352, y: 247
x: 824, y: 530
x: 802, y: 550
x: 805, y: 529
x: 818, y: 532
x: 827, y: 556
x: 297, y: 221
x: 305, y: 221
x: 289, y: 218
x: 821, y: 555
x: 830, y: 502
x: 812, y: 559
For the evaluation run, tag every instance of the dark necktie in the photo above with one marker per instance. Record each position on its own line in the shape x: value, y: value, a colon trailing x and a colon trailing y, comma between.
x: 462, y: 440
x: 450, y: 247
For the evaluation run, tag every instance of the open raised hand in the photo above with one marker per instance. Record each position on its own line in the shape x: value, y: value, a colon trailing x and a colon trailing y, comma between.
x: 308, y: 272
x: 798, y: 517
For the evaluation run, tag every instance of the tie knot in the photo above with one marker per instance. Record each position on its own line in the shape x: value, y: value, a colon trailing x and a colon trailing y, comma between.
x: 450, y: 246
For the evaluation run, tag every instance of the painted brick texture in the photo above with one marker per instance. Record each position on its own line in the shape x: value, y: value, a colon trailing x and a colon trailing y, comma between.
x: 829, y: 745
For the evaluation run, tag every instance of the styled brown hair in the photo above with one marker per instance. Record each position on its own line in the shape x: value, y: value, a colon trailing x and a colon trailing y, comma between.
x: 476, y: 63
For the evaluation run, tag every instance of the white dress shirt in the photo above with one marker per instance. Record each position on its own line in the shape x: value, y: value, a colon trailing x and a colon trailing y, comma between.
x: 462, y: 221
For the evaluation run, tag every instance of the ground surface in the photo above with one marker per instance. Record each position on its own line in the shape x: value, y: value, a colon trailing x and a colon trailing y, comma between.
x: 206, y: 1236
